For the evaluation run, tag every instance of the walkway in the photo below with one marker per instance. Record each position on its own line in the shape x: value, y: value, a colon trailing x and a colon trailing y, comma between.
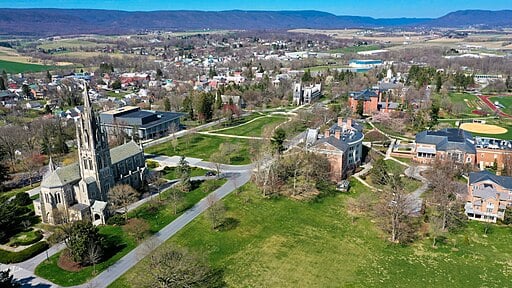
x: 415, y: 172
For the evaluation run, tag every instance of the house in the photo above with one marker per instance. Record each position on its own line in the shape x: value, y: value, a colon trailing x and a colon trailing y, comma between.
x: 147, y: 124
x: 236, y: 100
x: 80, y: 191
x: 33, y: 105
x: 341, y: 144
x: 488, y: 197
x: 445, y: 144
x: 369, y: 99
x: 306, y: 94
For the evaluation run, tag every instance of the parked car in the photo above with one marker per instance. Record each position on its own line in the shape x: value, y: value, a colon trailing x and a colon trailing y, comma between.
x: 210, y: 174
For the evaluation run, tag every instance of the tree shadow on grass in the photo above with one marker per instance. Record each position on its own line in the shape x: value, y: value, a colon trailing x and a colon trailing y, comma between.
x: 229, y: 224
x: 112, y: 245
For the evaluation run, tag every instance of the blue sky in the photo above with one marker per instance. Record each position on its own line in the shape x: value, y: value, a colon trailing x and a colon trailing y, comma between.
x: 373, y: 8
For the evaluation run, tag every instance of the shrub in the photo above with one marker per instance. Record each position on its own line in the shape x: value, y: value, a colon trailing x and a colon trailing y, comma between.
x: 116, y: 219
x: 152, y: 164
x: 22, y: 199
x: 31, y: 238
x: 7, y: 257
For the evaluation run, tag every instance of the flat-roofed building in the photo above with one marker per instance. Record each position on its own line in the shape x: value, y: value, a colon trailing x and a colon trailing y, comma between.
x: 147, y: 124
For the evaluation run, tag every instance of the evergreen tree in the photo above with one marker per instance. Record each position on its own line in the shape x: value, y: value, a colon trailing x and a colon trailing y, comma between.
x: 277, y: 140
x: 7, y: 280
x: 360, y: 107
x: 48, y: 76
x: 80, y: 235
x: 439, y: 83
x: 2, y: 84
x: 307, y: 76
x: 167, y: 104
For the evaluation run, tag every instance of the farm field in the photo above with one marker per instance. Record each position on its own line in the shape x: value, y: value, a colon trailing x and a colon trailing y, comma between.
x: 18, y: 67
x: 321, y: 245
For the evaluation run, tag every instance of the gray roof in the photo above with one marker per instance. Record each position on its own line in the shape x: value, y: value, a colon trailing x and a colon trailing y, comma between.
x: 503, y: 181
x: 71, y: 173
x: 79, y: 207
x: 124, y: 151
x: 448, y: 139
x: 365, y: 95
x: 489, y: 192
x: 62, y: 176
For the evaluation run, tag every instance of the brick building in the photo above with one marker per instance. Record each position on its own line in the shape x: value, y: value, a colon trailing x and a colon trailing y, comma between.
x: 488, y: 197
x: 369, y: 98
x: 341, y: 144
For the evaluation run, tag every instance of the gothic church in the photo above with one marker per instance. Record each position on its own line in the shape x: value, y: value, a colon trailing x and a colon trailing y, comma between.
x: 80, y: 191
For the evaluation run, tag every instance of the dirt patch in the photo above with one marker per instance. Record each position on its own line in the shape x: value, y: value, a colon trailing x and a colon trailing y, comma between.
x: 66, y: 262
x: 483, y: 128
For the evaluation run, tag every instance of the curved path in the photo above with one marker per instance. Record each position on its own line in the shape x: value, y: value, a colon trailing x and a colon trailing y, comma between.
x: 493, y: 107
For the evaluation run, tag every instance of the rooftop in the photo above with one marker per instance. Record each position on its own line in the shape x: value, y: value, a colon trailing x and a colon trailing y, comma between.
x: 503, y: 181
x: 448, y: 139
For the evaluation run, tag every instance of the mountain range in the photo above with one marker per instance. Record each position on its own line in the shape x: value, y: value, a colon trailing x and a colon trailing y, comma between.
x: 45, y: 22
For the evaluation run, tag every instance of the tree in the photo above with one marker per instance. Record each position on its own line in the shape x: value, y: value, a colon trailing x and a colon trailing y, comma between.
x: 2, y: 84
x: 7, y: 280
x: 439, y: 83
x: 307, y: 76
x: 4, y: 170
x: 216, y: 211
x: 176, y: 195
x: 116, y: 85
x: 177, y: 267
x: 137, y: 228
x: 80, y: 237
x: 184, y: 170
x: 159, y: 74
x: 122, y: 195
x: 93, y: 254
x: 277, y: 140
x: 155, y: 179
x: 167, y: 104
x: 360, y: 107
x: 379, y: 172
x: 394, y: 211
x: 434, y: 113
x: 48, y: 76
x: 26, y: 90
x: 435, y: 229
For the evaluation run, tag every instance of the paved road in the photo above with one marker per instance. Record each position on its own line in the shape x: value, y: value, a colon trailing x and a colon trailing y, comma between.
x: 415, y: 172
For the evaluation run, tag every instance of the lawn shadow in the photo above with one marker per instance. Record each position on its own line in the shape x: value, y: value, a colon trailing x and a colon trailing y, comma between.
x: 113, y: 244
x: 229, y: 223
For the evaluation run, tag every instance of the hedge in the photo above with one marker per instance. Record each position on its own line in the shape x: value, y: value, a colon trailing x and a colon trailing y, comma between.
x: 7, y: 257
x: 37, y: 235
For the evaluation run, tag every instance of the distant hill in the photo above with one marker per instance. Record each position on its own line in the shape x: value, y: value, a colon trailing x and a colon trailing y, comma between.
x: 81, y: 21
x: 462, y: 18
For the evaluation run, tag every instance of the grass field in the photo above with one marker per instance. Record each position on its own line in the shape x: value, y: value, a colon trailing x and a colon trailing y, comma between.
x: 256, y: 127
x: 68, y: 43
x: 320, y: 245
x: 18, y: 67
x: 505, y: 101
x: 355, y: 49
x: 203, y: 146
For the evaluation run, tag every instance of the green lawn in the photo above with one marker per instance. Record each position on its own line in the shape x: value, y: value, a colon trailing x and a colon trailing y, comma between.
x: 13, y: 192
x: 409, y: 183
x: 17, y: 67
x: 69, y: 43
x: 502, y: 123
x: 158, y: 216
x: 319, y: 244
x: 120, y: 244
x: 171, y: 173
x: 203, y: 146
x: 256, y: 127
x: 505, y: 101
x: 236, y: 121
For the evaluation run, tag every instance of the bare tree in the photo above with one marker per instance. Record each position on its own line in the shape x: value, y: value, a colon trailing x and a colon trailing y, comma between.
x: 395, y: 209
x: 121, y: 196
x: 94, y: 254
x: 216, y: 211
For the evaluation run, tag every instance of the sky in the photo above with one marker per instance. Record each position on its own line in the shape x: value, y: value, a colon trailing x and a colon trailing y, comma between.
x: 373, y: 8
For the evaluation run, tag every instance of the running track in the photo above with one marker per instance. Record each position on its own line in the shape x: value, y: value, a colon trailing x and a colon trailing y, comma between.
x: 493, y: 107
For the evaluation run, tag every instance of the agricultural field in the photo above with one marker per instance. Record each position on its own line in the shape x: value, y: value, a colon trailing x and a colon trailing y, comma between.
x: 320, y: 244
x: 68, y: 43
x: 18, y: 67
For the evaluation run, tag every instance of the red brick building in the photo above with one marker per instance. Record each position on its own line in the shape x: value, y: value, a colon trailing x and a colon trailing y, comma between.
x: 369, y: 98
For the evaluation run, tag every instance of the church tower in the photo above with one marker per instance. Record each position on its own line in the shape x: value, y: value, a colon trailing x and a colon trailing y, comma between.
x: 93, y: 155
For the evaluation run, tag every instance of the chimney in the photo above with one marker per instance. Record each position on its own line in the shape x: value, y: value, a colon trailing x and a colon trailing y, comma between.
x: 349, y: 123
x: 387, y: 102
x: 340, y: 121
x: 337, y: 134
x: 327, y: 133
